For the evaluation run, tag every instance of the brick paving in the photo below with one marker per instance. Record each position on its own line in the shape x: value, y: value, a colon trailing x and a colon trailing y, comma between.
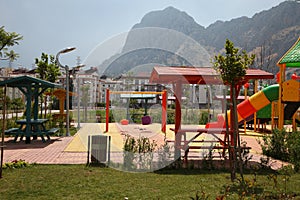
x: 50, y: 152
x: 54, y: 151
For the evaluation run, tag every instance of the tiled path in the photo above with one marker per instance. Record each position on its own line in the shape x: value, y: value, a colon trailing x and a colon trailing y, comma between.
x: 72, y: 150
x: 44, y: 153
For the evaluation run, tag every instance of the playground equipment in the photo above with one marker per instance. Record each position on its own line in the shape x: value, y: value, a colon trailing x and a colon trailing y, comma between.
x: 61, y: 95
x: 263, y: 98
x: 132, y: 93
x: 290, y: 59
x: 248, y: 107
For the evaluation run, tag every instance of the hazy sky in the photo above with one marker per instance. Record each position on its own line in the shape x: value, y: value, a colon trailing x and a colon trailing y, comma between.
x: 51, y: 25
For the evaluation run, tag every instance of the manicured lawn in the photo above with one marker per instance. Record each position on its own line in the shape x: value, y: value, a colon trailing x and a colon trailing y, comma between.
x: 80, y: 182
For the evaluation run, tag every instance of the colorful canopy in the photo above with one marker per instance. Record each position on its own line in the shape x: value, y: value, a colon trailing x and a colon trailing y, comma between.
x: 292, y: 57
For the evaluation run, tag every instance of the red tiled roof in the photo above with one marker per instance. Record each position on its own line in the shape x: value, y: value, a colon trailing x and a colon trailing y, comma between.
x: 198, y: 75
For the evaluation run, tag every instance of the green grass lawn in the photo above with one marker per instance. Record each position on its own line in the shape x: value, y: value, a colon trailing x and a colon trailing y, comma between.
x: 80, y: 182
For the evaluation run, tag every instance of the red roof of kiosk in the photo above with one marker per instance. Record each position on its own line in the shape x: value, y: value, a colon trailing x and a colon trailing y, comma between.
x: 198, y: 75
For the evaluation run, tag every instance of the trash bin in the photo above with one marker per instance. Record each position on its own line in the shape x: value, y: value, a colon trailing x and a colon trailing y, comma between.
x: 99, y: 149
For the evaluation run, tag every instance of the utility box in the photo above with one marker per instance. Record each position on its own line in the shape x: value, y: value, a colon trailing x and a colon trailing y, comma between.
x: 99, y: 149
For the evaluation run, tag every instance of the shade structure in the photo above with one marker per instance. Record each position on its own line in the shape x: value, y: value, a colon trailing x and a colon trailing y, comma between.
x: 292, y: 57
x: 198, y: 75
x: 194, y: 75
x: 32, y: 88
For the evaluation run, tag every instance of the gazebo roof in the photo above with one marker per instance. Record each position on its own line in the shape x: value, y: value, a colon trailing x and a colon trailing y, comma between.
x: 23, y: 81
x: 292, y: 57
x: 198, y: 75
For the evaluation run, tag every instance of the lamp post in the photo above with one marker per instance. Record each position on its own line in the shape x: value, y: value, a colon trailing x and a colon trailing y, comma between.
x: 66, y: 67
x: 73, y: 71
x: 78, y: 104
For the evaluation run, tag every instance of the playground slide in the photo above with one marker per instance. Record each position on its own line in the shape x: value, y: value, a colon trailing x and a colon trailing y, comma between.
x: 249, y: 106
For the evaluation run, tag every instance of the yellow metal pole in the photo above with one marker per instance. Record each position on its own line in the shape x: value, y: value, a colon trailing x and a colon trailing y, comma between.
x: 272, y: 115
x: 294, y: 122
x: 245, y: 93
x: 280, y: 102
x: 255, y: 91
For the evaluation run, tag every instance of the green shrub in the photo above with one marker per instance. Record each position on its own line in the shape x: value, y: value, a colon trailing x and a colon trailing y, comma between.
x: 203, y: 117
x: 15, y: 164
x: 275, y: 146
x: 138, y: 152
x: 170, y: 116
x: 283, y: 146
x: 293, y: 145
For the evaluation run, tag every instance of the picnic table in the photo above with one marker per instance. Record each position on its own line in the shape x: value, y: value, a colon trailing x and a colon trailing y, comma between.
x: 198, y: 131
x: 32, y: 127
x: 32, y: 88
x: 215, y: 132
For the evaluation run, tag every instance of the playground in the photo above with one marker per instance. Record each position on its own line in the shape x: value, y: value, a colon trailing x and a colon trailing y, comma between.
x: 268, y: 107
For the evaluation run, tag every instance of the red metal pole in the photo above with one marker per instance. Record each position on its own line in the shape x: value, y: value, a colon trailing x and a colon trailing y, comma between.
x: 178, y: 90
x: 107, y: 110
x: 164, y: 111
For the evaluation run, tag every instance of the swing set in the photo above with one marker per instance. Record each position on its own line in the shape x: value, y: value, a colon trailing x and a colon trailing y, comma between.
x: 163, y: 108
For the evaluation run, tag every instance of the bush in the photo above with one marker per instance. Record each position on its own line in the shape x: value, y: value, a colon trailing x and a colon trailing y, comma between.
x: 293, y: 145
x: 16, y: 164
x: 138, y: 153
x: 275, y: 145
x: 283, y: 146
x: 204, y: 117
x: 170, y: 116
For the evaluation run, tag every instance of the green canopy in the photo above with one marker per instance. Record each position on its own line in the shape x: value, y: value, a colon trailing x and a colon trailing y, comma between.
x: 25, y: 81
x: 292, y: 57
x: 32, y: 88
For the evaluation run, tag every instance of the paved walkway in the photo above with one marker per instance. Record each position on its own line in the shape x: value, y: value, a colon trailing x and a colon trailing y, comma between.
x: 73, y: 150
x: 51, y: 152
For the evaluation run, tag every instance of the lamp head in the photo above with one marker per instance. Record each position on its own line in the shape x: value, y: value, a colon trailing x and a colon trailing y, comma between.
x: 66, y: 50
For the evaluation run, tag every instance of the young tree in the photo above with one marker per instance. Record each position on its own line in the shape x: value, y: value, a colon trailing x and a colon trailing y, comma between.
x: 232, y: 68
x: 48, y: 70
x: 8, y: 40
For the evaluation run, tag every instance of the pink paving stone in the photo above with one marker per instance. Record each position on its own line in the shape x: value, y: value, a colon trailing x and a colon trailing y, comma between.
x: 51, y: 152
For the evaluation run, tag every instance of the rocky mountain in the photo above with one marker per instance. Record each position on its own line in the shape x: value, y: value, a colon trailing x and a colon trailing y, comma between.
x: 172, y: 37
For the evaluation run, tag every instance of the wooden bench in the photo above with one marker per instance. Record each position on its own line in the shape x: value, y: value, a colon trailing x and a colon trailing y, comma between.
x: 14, y: 131
x: 51, y: 131
x: 11, y: 131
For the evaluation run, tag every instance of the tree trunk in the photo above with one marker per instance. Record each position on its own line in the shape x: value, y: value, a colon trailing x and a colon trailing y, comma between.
x: 233, y: 132
x: 236, y: 136
x: 228, y: 136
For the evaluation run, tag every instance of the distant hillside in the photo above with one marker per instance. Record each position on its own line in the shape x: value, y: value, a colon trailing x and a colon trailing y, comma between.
x: 268, y: 34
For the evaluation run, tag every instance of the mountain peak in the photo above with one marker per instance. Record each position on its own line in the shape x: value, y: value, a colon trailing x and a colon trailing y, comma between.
x: 170, y: 18
x: 268, y: 34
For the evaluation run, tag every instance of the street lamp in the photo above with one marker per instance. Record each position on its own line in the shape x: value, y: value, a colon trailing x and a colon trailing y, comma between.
x: 66, y: 67
x: 73, y: 72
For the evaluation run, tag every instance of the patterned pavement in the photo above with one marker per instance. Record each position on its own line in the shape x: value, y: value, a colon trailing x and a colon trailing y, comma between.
x: 73, y: 149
